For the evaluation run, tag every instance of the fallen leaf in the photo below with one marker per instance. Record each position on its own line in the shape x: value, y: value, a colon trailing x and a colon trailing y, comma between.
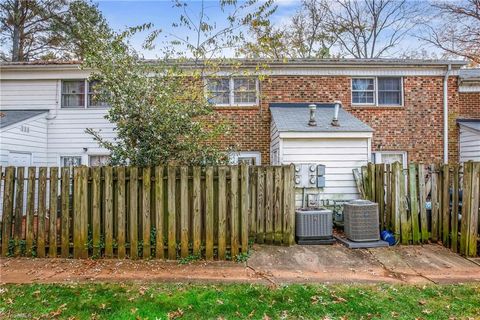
x: 219, y: 301
x: 265, y: 317
x: 134, y: 310
x: 175, y: 314
x: 422, y: 302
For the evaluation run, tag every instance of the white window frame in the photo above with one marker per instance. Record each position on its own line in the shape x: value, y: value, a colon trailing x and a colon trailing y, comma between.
x: 375, y: 90
x: 231, y: 94
x: 378, y: 156
x: 96, y: 155
x: 234, y: 156
x: 86, y: 94
x: 60, y: 162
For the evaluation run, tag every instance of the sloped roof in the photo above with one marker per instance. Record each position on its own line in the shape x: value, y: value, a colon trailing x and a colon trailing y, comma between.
x: 473, y: 124
x: 293, y: 117
x: 9, y: 117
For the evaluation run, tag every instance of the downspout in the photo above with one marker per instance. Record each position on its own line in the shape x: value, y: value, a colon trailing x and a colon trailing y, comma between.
x: 445, y: 114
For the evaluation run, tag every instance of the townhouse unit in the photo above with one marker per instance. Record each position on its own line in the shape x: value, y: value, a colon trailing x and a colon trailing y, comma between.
x: 341, y: 113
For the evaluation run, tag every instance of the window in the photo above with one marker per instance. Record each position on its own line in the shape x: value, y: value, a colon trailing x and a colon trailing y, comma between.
x: 98, y: 160
x: 249, y: 157
x: 73, y: 94
x: 70, y: 161
x: 389, y: 91
x: 232, y: 91
x: 389, y: 157
x: 377, y: 91
x: 363, y: 91
x: 75, y: 91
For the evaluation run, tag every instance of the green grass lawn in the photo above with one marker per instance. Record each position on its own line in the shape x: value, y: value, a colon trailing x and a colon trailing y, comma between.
x: 242, y: 301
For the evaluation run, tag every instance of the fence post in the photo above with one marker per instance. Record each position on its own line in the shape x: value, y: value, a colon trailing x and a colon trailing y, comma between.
x: 52, y: 239
x: 371, y: 181
x: 7, y: 208
x: 19, y: 209
x: 289, y: 206
x: 380, y: 192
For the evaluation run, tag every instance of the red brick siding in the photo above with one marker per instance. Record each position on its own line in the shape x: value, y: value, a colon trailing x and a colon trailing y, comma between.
x: 417, y: 127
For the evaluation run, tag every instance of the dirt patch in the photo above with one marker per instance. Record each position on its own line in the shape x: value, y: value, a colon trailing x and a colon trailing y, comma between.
x: 268, y: 264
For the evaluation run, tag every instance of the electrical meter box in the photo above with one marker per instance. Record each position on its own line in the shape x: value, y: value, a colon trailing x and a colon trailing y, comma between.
x: 309, y: 175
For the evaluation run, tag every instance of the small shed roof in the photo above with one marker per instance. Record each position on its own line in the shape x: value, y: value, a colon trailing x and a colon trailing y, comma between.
x: 293, y: 117
x: 9, y: 117
x: 473, y: 124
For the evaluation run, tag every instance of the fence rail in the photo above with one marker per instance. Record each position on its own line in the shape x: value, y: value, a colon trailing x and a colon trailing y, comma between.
x: 163, y: 212
x: 424, y: 203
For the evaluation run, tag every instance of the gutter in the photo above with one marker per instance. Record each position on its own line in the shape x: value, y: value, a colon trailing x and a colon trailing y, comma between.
x: 445, y: 113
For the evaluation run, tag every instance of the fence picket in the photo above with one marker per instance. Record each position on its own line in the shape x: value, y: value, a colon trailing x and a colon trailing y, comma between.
x: 455, y: 206
x: 277, y: 205
x: 133, y: 212
x: 209, y: 210
x: 380, y: 192
x: 245, y: 208
x: 8, y: 190
x: 42, y: 209
x: 184, y: 212
x: 108, y: 205
x: 388, y: 198
x: 172, y: 226
x: 445, y: 204
x: 18, y: 209
x: 146, y: 217
x: 412, y: 174
x: 269, y: 203
x: 474, y: 210
x: 222, y: 212
x: 121, y: 212
x: 29, y: 231
x: 234, y: 211
x: 422, y: 202
x: 96, y: 210
x: 289, y: 206
x: 159, y: 213
x: 260, y: 219
x: 197, y: 211
x: 434, y: 200
x: 52, y: 233
x: 65, y: 223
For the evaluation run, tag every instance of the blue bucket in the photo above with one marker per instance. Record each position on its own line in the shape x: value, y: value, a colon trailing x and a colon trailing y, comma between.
x: 388, y: 237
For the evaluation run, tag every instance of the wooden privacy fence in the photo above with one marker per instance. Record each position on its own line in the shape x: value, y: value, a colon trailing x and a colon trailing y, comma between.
x: 163, y: 212
x: 424, y: 203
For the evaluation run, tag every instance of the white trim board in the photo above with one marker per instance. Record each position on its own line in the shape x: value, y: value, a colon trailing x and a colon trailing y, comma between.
x: 332, y: 135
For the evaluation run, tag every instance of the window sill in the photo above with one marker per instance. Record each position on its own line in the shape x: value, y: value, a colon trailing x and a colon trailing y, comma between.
x: 370, y: 106
x: 247, y: 107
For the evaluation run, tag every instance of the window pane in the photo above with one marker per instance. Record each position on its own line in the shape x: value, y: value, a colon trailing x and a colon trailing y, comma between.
x: 222, y: 84
x: 362, y: 97
x: 70, y: 161
x: 244, y: 84
x: 73, y: 87
x: 247, y: 160
x: 219, y: 98
x: 73, y: 100
x: 100, y: 160
x: 363, y: 84
x: 245, y: 97
x: 94, y: 95
x: 389, y: 98
x: 389, y: 158
x: 389, y: 84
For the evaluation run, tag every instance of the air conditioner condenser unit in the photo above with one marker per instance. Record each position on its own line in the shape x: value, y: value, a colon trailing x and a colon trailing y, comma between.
x: 314, y: 226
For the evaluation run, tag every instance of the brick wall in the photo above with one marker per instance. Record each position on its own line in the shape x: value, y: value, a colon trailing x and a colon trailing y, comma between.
x: 417, y: 127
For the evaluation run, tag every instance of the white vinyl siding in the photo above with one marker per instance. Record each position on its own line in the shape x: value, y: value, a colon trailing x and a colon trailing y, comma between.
x: 274, y: 145
x: 67, y: 136
x: 28, y: 94
x: 339, y: 155
x: 28, y: 136
x: 469, y: 145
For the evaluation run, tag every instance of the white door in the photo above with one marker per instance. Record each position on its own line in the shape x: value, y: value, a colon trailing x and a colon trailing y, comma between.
x: 19, y: 159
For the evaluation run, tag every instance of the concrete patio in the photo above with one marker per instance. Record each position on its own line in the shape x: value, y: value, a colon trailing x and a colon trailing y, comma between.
x: 268, y: 264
